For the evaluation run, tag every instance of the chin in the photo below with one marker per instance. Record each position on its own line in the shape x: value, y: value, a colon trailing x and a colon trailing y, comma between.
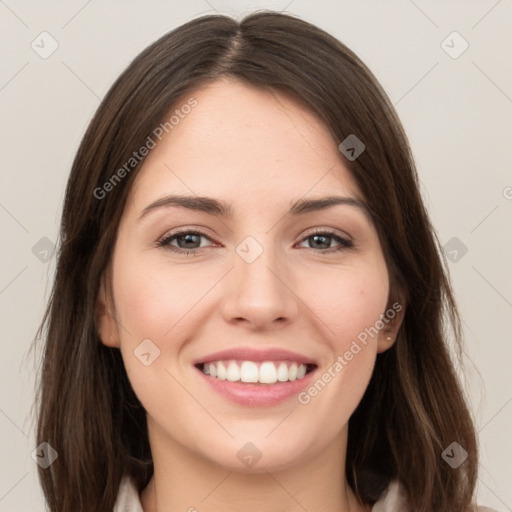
x: 251, y: 455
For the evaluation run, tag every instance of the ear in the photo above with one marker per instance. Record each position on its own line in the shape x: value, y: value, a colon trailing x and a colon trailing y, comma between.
x: 392, y: 320
x: 105, y: 321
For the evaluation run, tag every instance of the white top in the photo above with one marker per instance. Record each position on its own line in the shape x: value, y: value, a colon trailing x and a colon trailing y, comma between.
x: 393, y: 499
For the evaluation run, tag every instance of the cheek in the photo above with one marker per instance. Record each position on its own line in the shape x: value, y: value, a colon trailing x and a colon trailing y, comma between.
x: 160, y: 303
x: 155, y: 299
x: 347, y: 300
x: 152, y: 300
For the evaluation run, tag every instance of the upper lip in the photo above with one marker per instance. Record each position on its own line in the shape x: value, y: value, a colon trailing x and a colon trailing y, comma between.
x: 251, y: 354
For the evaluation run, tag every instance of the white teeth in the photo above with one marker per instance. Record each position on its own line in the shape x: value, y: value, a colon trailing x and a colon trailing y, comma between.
x: 233, y: 373
x: 282, y: 372
x: 266, y: 372
x: 221, y: 370
x: 249, y: 372
x: 292, y: 372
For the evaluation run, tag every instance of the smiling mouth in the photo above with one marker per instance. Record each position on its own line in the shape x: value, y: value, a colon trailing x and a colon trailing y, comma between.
x: 252, y: 372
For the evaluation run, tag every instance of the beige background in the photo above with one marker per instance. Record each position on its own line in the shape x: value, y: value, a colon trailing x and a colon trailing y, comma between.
x: 456, y: 111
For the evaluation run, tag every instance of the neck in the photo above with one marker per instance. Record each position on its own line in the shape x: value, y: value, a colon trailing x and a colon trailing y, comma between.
x: 185, y: 481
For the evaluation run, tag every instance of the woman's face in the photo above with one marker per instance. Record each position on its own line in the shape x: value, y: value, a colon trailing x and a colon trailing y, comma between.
x: 258, y: 285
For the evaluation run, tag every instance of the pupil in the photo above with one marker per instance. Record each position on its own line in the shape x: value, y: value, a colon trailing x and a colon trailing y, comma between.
x: 189, y: 238
x: 322, y: 237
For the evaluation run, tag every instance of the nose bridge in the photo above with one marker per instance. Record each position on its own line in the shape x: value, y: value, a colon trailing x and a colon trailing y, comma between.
x: 257, y: 290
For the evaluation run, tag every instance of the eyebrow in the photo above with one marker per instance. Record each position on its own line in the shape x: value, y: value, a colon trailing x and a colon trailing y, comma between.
x: 223, y: 209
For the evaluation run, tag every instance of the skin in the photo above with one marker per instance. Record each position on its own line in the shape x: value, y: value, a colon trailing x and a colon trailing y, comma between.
x: 258, y: 151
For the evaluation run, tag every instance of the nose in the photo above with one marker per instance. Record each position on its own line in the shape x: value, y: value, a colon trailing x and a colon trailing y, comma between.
x: 259, y: 295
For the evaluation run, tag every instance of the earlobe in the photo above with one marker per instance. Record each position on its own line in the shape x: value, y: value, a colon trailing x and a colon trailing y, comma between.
x: 105, y: 322
x: 388, y: 334
x: 385, y: 342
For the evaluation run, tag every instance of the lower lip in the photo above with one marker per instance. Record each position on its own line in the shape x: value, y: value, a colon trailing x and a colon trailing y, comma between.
x: 257, y: 395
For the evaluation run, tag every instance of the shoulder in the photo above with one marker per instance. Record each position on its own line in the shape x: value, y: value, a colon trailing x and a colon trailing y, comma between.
x: 394, y: 500
x: 127, y: 497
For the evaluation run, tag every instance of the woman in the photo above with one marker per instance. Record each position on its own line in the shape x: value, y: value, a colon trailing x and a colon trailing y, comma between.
x: 249, y: 300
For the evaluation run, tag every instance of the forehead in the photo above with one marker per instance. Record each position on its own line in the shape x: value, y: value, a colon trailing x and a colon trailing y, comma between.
x: 243, y: 141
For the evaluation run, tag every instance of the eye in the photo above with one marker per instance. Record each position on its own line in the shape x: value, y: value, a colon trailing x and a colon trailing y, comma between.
x: 188, y: 242
x: 321, y: 239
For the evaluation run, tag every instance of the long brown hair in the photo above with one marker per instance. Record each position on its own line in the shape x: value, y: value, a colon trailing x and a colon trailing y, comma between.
x: 414, y: 406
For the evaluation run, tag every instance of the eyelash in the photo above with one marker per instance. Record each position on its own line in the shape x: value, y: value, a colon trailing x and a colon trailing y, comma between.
x: 165, y: 242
